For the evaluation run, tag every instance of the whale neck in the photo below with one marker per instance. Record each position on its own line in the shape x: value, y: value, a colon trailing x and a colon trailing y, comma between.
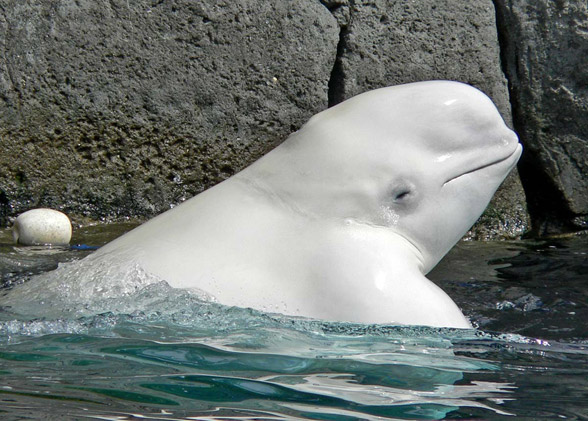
x: 401, y: 245
x: 307, y: 186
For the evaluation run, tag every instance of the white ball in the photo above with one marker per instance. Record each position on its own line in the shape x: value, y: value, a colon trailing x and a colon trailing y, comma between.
x: 42, y: 227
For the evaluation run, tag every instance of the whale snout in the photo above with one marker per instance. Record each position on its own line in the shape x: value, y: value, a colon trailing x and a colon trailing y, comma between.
x: 509, y: 138
x: 494, y: 159
x: 508, y: 143
x: 508, y: 147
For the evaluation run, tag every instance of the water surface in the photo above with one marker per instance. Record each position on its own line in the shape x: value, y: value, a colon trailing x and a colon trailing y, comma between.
x: 164, y: 354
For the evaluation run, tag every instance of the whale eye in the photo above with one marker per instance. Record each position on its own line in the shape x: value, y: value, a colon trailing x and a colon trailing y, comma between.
x: 402, y: 195
x: 399, y: 199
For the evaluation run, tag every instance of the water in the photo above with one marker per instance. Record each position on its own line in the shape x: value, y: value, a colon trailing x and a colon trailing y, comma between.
x: 160, y: 353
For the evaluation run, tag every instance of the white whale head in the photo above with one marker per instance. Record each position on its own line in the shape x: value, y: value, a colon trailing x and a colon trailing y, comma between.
x: 421, y: 159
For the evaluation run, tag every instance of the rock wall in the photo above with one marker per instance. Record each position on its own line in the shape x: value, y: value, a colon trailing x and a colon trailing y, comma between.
x: 545, y: 55
x: 114, y: 108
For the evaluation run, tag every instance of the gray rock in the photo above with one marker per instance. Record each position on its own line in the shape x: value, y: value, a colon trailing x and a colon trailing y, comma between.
x: 545, y: 50
x: 122, y: 108
x: 386, y: 43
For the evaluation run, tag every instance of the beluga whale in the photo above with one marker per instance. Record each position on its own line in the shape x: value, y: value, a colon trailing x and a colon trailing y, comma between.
x: 344, y: 219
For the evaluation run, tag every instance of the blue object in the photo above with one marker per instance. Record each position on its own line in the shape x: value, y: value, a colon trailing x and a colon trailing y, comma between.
x: 84, y: 247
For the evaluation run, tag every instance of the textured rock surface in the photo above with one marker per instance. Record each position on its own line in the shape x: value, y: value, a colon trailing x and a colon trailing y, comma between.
x: 115, y: 108
x: 545, y: 50
x: 390, y: 42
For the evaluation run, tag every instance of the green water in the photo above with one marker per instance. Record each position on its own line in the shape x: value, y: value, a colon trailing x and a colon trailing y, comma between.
x: 173, y: 356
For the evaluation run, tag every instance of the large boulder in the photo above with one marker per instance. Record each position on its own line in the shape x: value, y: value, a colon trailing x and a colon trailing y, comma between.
x: 390, y: 42
x: 111, y: 107
x: 545, y: 51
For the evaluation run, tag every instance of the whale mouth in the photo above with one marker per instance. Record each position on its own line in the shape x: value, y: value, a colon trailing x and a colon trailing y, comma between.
x: 508, y: 162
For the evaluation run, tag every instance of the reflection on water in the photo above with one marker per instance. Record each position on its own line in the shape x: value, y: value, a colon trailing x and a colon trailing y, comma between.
x: 161, y: 353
